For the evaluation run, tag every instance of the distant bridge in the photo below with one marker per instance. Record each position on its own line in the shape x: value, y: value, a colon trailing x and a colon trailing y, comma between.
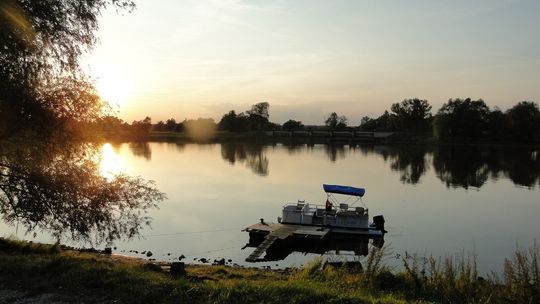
x: 332, y: 135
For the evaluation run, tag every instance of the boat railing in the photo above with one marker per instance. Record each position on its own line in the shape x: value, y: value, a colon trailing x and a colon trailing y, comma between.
x: 341, y: 208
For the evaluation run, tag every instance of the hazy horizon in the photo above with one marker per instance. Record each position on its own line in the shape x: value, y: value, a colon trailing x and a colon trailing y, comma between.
x: 189, y: 59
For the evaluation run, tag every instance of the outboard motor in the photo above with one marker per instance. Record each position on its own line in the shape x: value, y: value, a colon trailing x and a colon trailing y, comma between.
x: 378, y: 220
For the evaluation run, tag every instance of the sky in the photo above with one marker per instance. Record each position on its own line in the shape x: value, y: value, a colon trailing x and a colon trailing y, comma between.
x: 307, y: 58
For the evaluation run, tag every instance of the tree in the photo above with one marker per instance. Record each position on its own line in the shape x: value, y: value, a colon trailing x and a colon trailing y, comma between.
x: 233, y: 122
x: 141, y: 128
x: 498, y: 125
x: 368, y: 124
x: 41, y: 43
x: 260, y: 109
x: 170, y: 125
x: 255, y: 119
x: 386, y: 122
x: 258, y: 116
x: 524, y: 121
x: 412, y: 114
x: 333, y: 121
x: 462, y: 118
x: 50, y: 179
x: 293, y: 125
x: 52, y: 185
x: 160, y: 126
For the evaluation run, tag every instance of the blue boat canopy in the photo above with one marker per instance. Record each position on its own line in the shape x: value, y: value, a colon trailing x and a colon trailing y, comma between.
x: 344, y: 190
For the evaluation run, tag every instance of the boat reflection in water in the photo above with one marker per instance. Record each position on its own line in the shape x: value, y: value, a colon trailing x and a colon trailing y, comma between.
x: 331, y: 243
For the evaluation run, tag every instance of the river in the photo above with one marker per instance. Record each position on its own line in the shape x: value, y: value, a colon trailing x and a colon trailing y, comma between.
x: 440, y: 200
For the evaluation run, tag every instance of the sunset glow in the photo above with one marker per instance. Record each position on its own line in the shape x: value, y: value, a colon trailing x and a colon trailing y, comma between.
x: 112, y: 84
x: 269, y: 151
x: 203, y: 58
x: 111, y: 164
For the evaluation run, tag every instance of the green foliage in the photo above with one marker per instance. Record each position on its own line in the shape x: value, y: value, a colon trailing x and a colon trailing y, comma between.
x: 312, y: 271
x: 293, y: 125
x: 24, y: 247
x: 57, y: 186
x: 93, y: 278
x: 259, y: 109
x: 41, y: 84
x: 522, y: 275
x: 233, y: 122
x: 412, y: 115
x: 374, y: 263
x: 141, y: 128
x: 89, y: 278
x: 255, y: 119
x: 169, y: 126
x: 367, y: 124
x: 462, y: 119
x: 498, y: 125
x: 385, y: 122
x: 50, y: 179
x: 335, y: 122
x: 258, y: 116
x: 524, y: 121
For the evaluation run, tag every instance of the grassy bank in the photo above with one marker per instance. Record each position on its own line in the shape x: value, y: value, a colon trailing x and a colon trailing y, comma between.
x: 74, y: 276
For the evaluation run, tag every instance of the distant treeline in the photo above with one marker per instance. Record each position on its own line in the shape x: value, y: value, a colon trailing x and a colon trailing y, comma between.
x: 457, y: 120
x: 460, y: 119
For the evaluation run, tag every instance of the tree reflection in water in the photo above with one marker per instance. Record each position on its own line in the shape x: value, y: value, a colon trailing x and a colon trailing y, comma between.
x: 141, y: 148
x: 461, y: 166
x: 56, y: 186
x: 253, y: 155
x: 456, y: 166
x: 522, y: 167
x: 335, y: 152
x: 472, y: 166
x: 411, y: 161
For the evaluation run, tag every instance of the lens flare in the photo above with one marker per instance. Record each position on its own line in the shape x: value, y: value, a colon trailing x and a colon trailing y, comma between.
x: 201, y: 130
x: 17, y: 19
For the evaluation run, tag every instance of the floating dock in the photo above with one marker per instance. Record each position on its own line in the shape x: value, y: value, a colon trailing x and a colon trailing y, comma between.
x: 276, y: 231
x: 281, y: 231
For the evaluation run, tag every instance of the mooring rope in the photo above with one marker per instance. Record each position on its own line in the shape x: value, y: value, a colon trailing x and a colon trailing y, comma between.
x: 192, y: 232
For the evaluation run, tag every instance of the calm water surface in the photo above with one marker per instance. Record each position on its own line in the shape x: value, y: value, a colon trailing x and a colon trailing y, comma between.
x: 447, y: 200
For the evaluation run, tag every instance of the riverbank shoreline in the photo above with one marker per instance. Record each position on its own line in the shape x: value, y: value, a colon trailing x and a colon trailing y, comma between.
x: 397, y: 139
x: 56, y: 274
x: 42, y: 271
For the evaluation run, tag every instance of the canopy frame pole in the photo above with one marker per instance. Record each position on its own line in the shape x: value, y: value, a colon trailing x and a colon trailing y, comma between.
x: 332, y: 198
x: 336, y: 202
x: 362, y: 201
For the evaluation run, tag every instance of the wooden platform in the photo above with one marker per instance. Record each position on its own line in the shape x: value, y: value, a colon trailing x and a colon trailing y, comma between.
x: 275, y: 231
x: 283, y: 231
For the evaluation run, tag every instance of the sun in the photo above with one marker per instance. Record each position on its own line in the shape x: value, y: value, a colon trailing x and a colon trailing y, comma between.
x: 112, y: 84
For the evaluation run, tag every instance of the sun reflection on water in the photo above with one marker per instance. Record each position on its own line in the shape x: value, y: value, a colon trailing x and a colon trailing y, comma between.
x: 111, y: 164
